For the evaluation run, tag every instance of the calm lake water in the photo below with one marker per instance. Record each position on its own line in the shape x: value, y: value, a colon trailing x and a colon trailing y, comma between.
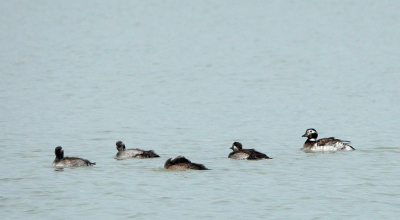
x: 190, y: 78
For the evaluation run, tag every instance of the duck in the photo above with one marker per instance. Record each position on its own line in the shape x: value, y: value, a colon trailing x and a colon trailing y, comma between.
x: 62, y: 161
x: 181, y: 163
x: 324, y: 144
x: 127, y: 153
x: 245, y: 154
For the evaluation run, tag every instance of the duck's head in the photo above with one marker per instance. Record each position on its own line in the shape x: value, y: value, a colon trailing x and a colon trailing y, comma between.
x: 59, y: 152
x: 236, y: 146
x: 311, y: 134
x: 120, y: 145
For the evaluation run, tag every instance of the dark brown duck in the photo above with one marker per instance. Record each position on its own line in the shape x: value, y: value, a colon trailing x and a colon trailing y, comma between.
x: 245, y: 154
x: 181, y: 163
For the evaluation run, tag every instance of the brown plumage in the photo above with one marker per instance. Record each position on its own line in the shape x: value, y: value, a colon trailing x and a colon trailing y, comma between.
x: 245, y: 154
x: 181, y: 163
x: 330, y: 140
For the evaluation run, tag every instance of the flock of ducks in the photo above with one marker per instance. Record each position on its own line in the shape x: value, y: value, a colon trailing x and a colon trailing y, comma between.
x: 181, y: 163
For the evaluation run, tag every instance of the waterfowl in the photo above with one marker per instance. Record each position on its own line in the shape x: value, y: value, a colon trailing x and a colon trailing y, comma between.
x: 245, y: 154
x: 324, y: 144
x: 181, y: 163
x: 62, y: 161
x: 126, y: 153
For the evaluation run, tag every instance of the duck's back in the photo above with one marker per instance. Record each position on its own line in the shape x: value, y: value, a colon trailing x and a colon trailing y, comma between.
x: 187, y: 166
x: 181, y: 163
x: 254, y: 155
x: 328, y: 144
x: 72, y: 162
x: 129, y: 153
x: 149, y: 154
x: 247, y: 154
x: 136, y: 153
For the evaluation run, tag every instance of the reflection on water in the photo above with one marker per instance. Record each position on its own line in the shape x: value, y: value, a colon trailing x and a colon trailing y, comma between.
x: 59, y: 169
x: 320, y: 152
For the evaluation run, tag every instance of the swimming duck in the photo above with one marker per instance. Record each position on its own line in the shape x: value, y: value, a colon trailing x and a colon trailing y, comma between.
x: 181, y: 163
x: 245, y: 154
x: 126, y: 153
x: 324, y: 144
x: 62, y: 161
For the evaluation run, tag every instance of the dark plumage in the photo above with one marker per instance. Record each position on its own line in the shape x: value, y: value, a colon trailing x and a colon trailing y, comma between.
x: 324, y: 144
x: 181, y: 163
x: 245, y: 154
x: 62, y: 161
x: 125, y: 153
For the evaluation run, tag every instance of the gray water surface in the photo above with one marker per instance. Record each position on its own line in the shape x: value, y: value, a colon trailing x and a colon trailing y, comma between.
x: 190, y: 78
